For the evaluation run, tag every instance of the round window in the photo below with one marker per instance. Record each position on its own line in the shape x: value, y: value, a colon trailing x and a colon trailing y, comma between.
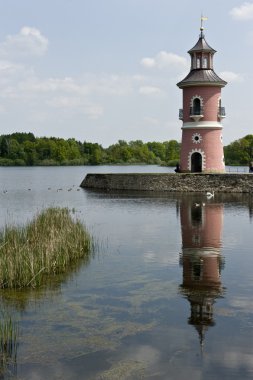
x: 196, y: 138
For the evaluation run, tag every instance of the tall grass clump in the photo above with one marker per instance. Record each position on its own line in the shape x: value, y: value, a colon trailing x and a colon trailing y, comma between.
x: 48, y: 245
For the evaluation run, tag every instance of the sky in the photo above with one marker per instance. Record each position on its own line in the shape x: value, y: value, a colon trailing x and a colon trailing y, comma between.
x: 106, y: 70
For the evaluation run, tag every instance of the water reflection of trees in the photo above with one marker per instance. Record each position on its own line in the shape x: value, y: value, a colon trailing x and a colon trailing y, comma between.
x: 201, y: 259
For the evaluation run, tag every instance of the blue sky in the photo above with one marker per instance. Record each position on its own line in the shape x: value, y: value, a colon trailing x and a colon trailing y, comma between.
x: 104, y: 70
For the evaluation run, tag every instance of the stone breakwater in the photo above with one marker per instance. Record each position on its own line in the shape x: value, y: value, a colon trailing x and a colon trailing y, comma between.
x: 171, y: 182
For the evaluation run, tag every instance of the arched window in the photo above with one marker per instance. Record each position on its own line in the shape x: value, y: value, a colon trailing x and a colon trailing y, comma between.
x: 196, y: 106
x: 221, y: 110
x: 204, y: 63
x: 198, y: 63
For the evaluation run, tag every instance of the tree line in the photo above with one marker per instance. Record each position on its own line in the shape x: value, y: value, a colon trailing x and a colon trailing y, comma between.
x: 239, y: 152
x: 21, y: 149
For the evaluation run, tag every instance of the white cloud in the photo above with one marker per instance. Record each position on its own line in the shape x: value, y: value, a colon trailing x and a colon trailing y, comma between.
x: 65, y: 102
x: 149, y: 90
x: 29, y: 41
x: 2, y: 109
x: 11, y: 72
x: 19, y: 87
x: 165, y: 60
x: 76, y: 104
x: 231, y: 77
x: 51, y: 85
x: 8, y: 67
x: 93, y: 111
x: 139, y: 78
x: 244, y: 12
x: 151, y: 120
x: 148, y: 62
x: 111, y: 84
x: 87, y: 95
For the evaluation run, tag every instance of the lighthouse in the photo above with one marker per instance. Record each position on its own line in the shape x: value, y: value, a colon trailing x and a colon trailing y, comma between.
x: 202, y: 113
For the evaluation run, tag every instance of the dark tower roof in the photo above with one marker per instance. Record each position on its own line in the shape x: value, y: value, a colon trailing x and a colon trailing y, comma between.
x: 202, y: 45
x: 200, y: 77
x: 201, y: 74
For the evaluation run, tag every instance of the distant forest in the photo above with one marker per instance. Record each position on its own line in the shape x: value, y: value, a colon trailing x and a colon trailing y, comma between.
x: 24, y: 149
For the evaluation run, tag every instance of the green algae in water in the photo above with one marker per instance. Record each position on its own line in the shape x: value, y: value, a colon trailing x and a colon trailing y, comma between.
x: 86, y: 324
x: 124, y: 370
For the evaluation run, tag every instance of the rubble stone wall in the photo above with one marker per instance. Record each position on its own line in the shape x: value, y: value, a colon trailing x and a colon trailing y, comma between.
x: 172, y: 182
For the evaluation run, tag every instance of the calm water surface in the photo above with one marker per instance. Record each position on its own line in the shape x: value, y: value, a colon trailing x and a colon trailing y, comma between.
x: 167, y: 294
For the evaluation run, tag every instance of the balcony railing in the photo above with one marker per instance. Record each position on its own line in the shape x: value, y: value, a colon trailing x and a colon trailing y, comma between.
x: 198, y: 113
x: 221, y: 112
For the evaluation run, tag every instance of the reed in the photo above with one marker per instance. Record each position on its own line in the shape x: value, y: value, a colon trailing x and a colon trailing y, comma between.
x: 48, y: 245
x: 8, y: 338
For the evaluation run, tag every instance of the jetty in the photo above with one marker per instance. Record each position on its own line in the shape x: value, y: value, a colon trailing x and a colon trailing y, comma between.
x: 171, y: 182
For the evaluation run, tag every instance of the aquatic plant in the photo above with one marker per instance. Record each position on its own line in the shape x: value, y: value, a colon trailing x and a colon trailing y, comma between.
x: 8, y: 343
x: 50, y: 244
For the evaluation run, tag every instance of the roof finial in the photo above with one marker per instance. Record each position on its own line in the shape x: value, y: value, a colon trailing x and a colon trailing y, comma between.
x: 203, y: 18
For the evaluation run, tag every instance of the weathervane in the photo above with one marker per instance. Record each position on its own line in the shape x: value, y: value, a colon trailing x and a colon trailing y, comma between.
x: 203, y: 18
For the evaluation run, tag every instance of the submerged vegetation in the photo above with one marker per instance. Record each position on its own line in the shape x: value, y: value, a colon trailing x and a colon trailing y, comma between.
x: 50, y: 244
x: 9, y: 331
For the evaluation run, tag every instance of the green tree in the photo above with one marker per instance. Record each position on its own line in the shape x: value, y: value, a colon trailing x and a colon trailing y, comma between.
x: 239, y: 152
x: 158, y: 148
x: 4, y: 147
x: 73, y: 151
x: 172, y: 150
x: 30, y: 153
x: 16, y: 150
x: 96, y: 156
x: 21, y: 137
x: 44, y: 148
x: 20, y: 147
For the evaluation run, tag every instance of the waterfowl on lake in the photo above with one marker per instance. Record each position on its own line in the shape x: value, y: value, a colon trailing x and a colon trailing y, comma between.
x: 209, y: 194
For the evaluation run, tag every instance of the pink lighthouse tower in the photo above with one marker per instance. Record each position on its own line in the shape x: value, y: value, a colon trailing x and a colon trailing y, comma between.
x: 202, y: 113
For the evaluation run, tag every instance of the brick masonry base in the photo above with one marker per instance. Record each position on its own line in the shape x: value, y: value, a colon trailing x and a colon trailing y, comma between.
x: 171, y: 182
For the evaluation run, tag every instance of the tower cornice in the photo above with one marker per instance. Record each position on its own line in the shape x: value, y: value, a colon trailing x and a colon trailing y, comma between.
x: 202, y: 125
x: 202, y: 77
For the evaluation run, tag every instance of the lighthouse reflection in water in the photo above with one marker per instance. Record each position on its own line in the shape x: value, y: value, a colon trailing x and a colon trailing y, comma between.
x: 202, y: 261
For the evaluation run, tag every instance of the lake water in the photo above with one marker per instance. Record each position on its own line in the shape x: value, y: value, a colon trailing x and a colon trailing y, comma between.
x: 167, y: 293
